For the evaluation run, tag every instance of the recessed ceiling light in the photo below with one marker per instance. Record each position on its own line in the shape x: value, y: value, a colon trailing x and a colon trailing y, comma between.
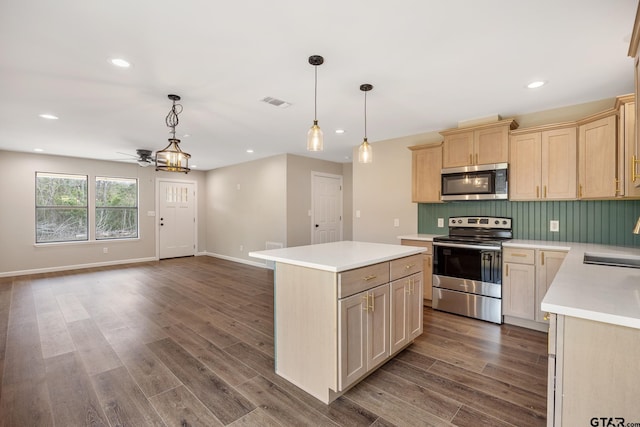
x: 186, y: 135
x: 119, y: 62
x: 536, y: 84
x: 38, y: 150
x: 49, y: 116
x: 339, y: 131
x: 194, y: 166
x: 249, y: 151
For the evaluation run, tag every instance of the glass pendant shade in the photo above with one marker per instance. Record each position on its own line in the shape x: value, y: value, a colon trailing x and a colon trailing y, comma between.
x: 314, y: 138
x: 365, y: 152
x: 172, y: 158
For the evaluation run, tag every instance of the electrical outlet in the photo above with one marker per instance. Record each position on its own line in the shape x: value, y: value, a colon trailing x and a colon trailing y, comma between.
x: 396, y: 222
x: 554, y: 225
x: 357, y: 214
x: 440, y: 222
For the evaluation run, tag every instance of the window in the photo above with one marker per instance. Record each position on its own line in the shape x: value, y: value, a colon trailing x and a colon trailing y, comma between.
x: 61, y: 207
x: 116, y: 208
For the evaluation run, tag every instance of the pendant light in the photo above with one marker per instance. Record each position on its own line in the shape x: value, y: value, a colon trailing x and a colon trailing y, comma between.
x: 314, y: 136
x: 172, y: 158
x: 365, y: 152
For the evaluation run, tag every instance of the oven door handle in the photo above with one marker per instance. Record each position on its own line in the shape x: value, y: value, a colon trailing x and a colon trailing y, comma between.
x: 458, y: 245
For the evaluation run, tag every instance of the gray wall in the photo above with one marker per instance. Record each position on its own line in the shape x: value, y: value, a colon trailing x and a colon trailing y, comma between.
x: 18, y: 251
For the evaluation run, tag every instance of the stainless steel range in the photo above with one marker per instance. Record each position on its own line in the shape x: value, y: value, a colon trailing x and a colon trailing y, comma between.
x: 467, y: 267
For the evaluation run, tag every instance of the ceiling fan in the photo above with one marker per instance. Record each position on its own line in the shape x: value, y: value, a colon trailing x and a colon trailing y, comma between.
x: 143, y: 157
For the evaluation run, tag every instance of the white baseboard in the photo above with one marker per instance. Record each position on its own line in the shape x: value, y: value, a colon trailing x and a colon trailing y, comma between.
x: 74, y: 267
x: 234, y: 259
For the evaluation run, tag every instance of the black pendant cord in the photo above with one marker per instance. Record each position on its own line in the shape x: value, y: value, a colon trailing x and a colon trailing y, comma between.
x: 315, y: 96
x: 365, y: 115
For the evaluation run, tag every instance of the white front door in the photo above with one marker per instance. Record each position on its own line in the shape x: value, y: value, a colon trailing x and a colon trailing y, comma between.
x: 326, y: 220
x: 176, y: 219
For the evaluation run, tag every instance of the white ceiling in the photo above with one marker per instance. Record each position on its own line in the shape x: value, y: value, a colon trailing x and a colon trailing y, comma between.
x: 432, y: 64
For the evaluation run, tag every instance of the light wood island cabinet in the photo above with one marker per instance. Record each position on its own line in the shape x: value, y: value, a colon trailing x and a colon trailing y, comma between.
x: 341, y: 310
x: 543, y: 163
x: 426, y: 165
x: 477, y: 145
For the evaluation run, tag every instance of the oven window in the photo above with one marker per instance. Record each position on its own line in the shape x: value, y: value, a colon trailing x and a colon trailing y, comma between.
x: 470, y: 264
x: 468, y: 183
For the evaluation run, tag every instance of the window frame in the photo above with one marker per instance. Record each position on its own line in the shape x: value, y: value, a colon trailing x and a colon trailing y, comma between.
x: 96, y: 207
x: 38, y: 208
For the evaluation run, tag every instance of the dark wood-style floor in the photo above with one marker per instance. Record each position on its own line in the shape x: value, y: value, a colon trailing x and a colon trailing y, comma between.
x: 190, y: 342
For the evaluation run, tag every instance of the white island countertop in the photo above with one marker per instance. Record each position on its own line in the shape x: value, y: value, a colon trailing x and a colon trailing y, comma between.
x: 337, y: 256
x: 594, y: 292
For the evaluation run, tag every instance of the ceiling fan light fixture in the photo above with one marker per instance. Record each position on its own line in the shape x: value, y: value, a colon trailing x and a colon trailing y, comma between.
x: 365, y: 151
x: 172, y: 158
x: 315, y: 137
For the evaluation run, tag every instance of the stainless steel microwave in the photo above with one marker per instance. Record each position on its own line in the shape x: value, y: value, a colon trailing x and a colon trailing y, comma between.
x: 479, y: 182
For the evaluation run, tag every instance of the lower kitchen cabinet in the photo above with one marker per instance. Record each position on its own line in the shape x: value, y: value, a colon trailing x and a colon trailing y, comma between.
x: 364, y: 333
x: 527, y: 274
x: 427, y: 258
x: 406, y: 311
x: 593, y: 373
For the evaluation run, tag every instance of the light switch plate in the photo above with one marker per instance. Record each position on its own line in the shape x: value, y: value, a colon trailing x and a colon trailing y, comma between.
x: 554, y: 225
x: 396, y: 222
x: 440, y: 222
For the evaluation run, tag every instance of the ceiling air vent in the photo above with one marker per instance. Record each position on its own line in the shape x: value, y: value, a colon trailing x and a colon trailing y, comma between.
x: 277, y: 102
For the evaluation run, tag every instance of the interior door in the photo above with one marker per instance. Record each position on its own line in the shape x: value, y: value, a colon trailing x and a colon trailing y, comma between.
x: 326, y: 221
x: 176, y: 219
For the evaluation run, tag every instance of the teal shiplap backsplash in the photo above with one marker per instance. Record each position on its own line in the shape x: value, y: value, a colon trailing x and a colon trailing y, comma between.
x: 607, y: 222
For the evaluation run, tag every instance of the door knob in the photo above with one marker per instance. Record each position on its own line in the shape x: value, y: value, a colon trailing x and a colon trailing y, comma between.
x: 317, y: 226
x: 161, y: 223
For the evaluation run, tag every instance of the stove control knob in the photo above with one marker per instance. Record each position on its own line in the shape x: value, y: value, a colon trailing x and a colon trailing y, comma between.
x: 497, y: 222
x: 504, y: 222
x: 459, y: 221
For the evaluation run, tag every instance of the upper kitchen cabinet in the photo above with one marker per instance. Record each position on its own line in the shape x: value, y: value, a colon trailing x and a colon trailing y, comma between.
x: 543, y: 163
x: 634, y: 52
x: 425, y: 173
x: 597, y: 157
x: 629, y: 152
x: 477, y: 145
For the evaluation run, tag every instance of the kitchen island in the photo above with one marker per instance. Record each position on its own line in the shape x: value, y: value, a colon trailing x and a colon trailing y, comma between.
x: 341, y: 310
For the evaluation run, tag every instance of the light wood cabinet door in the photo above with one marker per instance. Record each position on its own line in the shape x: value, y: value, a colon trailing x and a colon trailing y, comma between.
x: 597, y: 157
x: 559, y: 164
x: 425, y: 174
x: 428, y: 279
x: 629, y: 159
x: 525, y: 166
x: 491, y: 145
x: 353, y: 335
x: 518, y: 291
x: 406, y: 311
x: 378, y: 326
x: 457, y: 150
x: 547, y: 265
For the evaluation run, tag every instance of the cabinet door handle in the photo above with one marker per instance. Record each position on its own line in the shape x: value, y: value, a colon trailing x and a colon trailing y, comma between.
x: 580, y: 191
x: 373, y: 303
x: 429, y: 262
x: 506, y: 273
x: 366, y: 302
x: 545, y: 191
x: 546, y: 316
x: 519, y: 255
x: 542, y: 258
x: 409, y: 266
x: 470, y: 159
x: 367, y: 278
x: 634, y: 162
x: 537, y: 191
x: 476, y: 158
x: 617, y: 184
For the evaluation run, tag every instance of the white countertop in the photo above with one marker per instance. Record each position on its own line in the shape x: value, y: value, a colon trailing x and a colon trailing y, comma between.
x: 594, y: 292
x: 337, y: 256
x: 424, y: 237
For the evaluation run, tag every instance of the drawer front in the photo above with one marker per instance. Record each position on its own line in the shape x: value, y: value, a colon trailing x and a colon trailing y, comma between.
x: 420, y: 243
x: 519, y: 256
x: 357, y: 280
x: 406, y: 266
